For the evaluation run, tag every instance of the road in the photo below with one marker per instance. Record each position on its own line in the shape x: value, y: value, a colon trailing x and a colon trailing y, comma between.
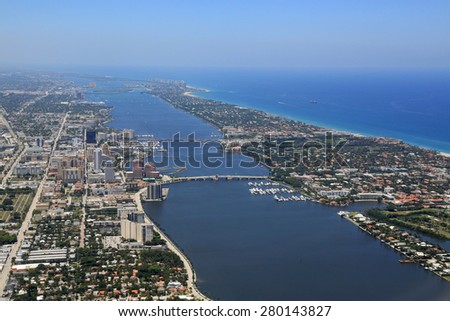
x: 10, y: 167
x: 12, y: 164
x: 85, y: 194
x: 4, y: 275
x: 171, y: 246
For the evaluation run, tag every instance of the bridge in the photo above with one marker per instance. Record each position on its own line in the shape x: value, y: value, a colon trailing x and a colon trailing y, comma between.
x: 215, y: 178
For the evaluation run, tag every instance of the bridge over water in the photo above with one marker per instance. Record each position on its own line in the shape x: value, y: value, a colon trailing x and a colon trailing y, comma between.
x: 216, y: 178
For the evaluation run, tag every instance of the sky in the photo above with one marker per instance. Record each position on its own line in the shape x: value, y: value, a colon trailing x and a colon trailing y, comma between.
x: 228, y: 33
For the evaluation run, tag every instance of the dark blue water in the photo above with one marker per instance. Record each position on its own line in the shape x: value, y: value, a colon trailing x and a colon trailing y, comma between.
x: 410, y: 105
x: 206, y: 161
x: 247, y: 247
x: 149, y: 115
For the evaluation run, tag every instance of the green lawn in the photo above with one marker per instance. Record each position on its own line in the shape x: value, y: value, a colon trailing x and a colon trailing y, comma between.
x: 435, y: 222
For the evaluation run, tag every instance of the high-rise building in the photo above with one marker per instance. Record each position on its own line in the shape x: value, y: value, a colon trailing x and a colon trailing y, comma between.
x: 128, y: 134
x: 124, y: 209
x: 137, y: 217
x: 91, y: 137
x: 102, y: 136
x: 105, y: 150
x: 136, y: 167
x: 97, y: 159
x: 150, y: 170
x: 154, y: 192
x: 40, y: 142
x: 110, y: 174
x: 134, y: 228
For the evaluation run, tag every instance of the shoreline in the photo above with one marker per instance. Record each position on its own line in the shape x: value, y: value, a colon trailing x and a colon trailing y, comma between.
x: 191, y: 281
x: 397, y: 250
x: 322, y: 126
x: 187, y: 264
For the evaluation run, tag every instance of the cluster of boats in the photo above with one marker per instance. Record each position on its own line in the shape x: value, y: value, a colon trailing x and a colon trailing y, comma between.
x: 264, y: 183
x: 265, y: 188
x: 270, y: 191
x: 289, y: 198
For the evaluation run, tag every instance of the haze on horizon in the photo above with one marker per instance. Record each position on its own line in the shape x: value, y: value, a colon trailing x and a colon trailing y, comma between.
x: 200, y: 33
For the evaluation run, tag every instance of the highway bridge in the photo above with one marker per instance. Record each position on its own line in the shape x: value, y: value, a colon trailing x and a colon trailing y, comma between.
x: 215, y: 178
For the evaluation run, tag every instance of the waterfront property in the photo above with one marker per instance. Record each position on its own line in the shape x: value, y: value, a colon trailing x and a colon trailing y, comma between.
x: 431, y: 256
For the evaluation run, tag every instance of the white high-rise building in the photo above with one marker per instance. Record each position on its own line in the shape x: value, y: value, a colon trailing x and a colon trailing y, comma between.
x: 134, y: 228
x: 97, y: 159
x: 110, y: 174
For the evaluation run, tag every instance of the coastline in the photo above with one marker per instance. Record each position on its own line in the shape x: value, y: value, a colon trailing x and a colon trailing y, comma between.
x: 188, y: 266
x: 396, y: 249
x: 331, y: 128
x: 189, y: 91
x: 171, y: 246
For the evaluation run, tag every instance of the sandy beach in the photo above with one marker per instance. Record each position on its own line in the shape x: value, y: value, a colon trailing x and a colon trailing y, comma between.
x: 189, y: 93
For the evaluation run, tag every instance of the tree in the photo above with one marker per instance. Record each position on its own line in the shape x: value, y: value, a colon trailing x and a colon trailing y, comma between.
x: 7, y: 202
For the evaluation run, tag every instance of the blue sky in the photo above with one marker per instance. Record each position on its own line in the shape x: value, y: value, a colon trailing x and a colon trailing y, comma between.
x: 197, y: 33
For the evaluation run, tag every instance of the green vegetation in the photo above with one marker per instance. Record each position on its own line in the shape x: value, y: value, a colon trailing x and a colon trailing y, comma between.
x: 7, y: 238
x: 435, y: 222
x: 14, y: 204
x: 157, y: 240
x: 160, y: 263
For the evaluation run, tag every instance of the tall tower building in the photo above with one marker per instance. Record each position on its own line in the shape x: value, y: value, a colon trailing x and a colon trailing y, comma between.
x: 134, y: 227
x: 136, y: 167
x: 154, y: 192
x: 97, y: 159
x: 39, y: 142
x: 110, y: 174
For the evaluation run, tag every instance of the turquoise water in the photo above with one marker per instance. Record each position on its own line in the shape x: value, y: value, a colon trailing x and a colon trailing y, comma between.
x: 245, y: 247
x: 410, y: 105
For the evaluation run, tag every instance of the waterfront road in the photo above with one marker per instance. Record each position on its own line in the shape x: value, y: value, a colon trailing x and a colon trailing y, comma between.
x: 187, y: 264
x: 4, y: 275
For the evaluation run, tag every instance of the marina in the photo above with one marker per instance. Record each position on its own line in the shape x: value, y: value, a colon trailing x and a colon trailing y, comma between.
x: 305, y: 240
x: 237, y: 240
x: 280, y: 194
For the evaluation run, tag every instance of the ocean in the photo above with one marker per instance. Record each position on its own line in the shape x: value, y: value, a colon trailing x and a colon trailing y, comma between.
x: 246, y: 247
x: 411, y: 105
